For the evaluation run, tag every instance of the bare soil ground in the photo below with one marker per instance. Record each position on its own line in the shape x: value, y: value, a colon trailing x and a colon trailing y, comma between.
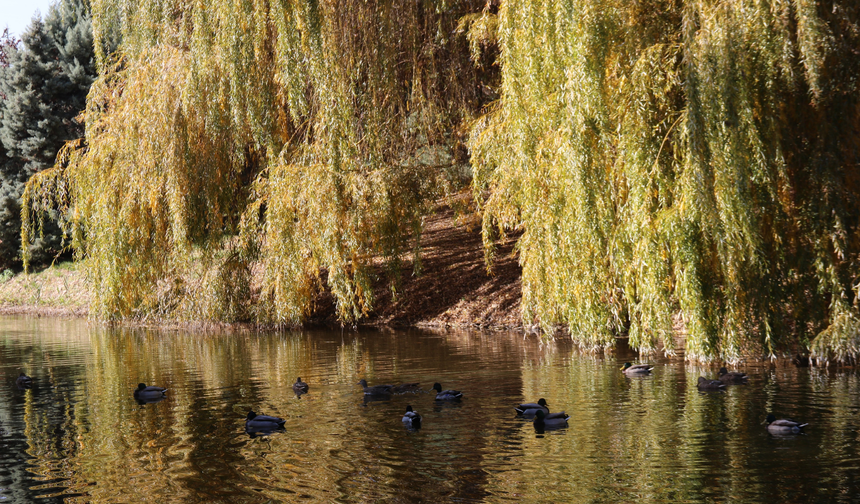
x: 453, y: 290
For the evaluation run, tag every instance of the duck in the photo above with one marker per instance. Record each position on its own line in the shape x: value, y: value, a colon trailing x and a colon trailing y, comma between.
x: 376, y: 390
x: 528, y: 410
x: 406, y: 387
x: 783, y: 425
x: 706, y: 384
x: 411, y: 418
x: 446, y: 395
x: 24, y: 381
x: 733, y: 377
x: 150, y: 393
x: 300, y: 387
x: 545, y: 421
x: 630, y: 369
x: 265, y: 423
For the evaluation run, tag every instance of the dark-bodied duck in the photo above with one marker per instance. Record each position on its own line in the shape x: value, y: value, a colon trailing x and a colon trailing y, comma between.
x: 732, y: 377
x: 446, y: 395
x: 300, y: 387
x: 706, y: 384
x: 149, y: 394
x: 783, y: 425
x: 406, y: 387
x: 24, y: 381
x: 635, y: 369
x: 411, y: 418
x: 528, y: 410
x: 263, y: 423
x: 376, y: 390
x: 544, y: 421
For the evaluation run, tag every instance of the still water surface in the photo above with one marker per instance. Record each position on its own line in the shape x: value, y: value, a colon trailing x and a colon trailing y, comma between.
x: 79, y: 436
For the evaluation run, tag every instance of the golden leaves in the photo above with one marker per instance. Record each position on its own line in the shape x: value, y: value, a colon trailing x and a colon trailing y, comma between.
x: 647, y: 152
x: 255, y: 149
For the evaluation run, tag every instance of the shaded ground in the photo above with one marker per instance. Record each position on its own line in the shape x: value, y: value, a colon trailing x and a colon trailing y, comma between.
x: 454, y: 288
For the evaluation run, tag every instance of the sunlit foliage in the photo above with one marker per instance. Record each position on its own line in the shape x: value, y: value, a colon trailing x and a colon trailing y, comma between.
x: 672, y: 165
x: 686, y: 157
x: 240, y: 149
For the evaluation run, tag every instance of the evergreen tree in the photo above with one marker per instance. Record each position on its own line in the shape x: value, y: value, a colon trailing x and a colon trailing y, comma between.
x: 44, y: 87
x: 10, y: 190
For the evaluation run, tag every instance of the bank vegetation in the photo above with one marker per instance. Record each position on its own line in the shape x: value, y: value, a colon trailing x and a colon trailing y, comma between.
x: 664, y: 164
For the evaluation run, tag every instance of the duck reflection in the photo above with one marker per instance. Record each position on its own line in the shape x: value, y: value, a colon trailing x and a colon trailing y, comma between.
x: 375, y: 398
x: 149, y: 400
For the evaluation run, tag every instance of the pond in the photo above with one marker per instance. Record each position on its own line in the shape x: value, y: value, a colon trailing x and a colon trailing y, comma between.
x: 79, y: 436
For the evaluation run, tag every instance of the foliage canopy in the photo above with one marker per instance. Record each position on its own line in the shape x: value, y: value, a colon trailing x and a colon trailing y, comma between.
x: 660, y: 157
x: 681, y: 156
x: 248, y: 146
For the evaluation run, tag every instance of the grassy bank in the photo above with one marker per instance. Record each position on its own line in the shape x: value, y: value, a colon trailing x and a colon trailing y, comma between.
x: 59, y: 290
x: 454, y: 289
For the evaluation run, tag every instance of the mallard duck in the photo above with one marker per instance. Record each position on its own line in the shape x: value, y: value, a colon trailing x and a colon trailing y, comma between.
x: 411, y: 418
x: 406, y: 387
x: 144, y: 393
x: 545, y: 421
x: 733, y: 377
x: 264, y: 423
x: 24, y: 381
x: 446, y: 395
x: 528, y: 410
x: 300, y: 387
x: 783, y: 425
x: 636, y: 368
x: 706, y: 384
x: 376, y: 390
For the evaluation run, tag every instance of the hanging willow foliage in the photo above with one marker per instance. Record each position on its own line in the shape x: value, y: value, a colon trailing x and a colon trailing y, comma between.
x: 270, y: 146
x: 660, y: 157
x: 681, y: 156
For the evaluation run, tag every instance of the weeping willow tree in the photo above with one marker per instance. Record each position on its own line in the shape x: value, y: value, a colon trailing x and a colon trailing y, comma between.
x: 274, y: 147
x: 687, y: 163
x: 669, y: 163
